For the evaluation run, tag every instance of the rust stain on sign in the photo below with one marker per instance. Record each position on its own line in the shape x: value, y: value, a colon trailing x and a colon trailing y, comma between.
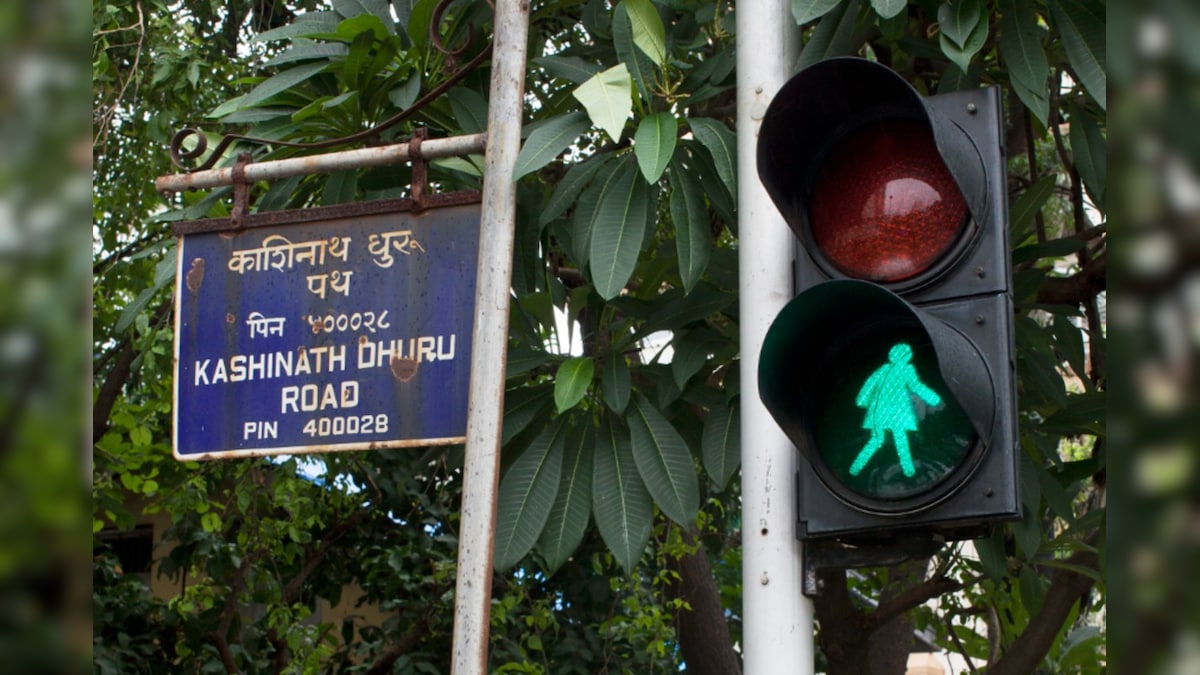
x: 195, y: 276
x: 403, y: 369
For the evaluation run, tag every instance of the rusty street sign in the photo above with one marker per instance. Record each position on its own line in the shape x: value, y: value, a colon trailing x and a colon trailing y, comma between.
x: 333, y: 328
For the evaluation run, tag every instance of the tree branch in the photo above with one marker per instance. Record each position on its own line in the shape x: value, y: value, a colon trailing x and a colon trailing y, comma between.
x: 227, y: 614
x: 703, y: 634
x: 1078, y: 288
x: 318, y: 556
x: 1031, y: 646
x: 383, y: 665
x: 915, y: 596
x: 115, y: 382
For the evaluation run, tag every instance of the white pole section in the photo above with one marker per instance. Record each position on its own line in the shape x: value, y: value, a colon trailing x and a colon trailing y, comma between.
x: 777, y: 620
x: 481, y: 472
x: 329, y: 162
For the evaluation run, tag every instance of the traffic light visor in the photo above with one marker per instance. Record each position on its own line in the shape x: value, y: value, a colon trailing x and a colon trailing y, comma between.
x: 873, y: 397
x: 880, y: 184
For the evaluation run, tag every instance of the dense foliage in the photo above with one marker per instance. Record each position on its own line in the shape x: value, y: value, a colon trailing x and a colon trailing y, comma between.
x: 617, y: 545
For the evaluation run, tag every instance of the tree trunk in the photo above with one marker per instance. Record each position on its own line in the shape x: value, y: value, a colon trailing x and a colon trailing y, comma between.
x: 852, y: 642
x: 891, y: 642
x: 703, y: 634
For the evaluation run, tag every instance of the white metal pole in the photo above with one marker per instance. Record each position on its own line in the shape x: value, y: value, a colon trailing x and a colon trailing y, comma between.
x: 777, y: 620
x: 476, y: 536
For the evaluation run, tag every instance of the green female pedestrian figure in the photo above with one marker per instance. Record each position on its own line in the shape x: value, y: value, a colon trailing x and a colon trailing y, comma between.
x: 887, y: 396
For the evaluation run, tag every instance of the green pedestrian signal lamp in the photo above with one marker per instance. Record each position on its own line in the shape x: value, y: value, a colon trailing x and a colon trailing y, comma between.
x: 887, y: 396
x: 891, y: 369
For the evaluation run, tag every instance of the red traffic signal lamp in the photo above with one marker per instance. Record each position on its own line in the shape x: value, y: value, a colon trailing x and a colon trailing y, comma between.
x: 891, y: 369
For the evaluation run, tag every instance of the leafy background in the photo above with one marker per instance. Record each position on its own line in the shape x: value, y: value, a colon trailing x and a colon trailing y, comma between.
x: 619, y: 476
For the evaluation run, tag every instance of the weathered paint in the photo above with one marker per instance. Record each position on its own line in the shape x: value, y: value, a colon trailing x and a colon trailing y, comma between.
x: 290, y: 336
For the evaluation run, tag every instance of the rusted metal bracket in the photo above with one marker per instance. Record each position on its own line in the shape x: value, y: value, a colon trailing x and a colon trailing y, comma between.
x: 241, y: 191
x: 420, y: 169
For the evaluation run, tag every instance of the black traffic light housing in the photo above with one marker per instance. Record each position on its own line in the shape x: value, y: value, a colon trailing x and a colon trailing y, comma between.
x: 893, y: 377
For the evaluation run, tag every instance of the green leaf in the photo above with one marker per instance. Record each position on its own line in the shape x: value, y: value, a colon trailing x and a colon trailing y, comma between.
x: 954, y: 79
x: 615, y: 382
x: 1032, y: 589
x: 617, y: 232
x: 693, y: 241
x: 808, y: 10
x: 641, y: 67
x: 548, y: 141
x: 568, y: 519
x: 522, y: 406
x: 620, y: 502
x: 833, y: 36
x: 1069, y: 340
x: 1054, y: 248
x: 992, y: 555
x: 379, y: 9
x: 521, y: 360
x: 358, y: 60
x: 959, y: 19
x: 721, y: 144
x: 304, y: 50
x: 308, y: 24
x: 469, y: 109
x: 341, y: 187
x: 570, y: 187
x: 349, y: 29
x: 1089, y: 150
x: 1081, y: 25
x: 211, y: 522
x: 1037, y: 363
x: 587, y: 207
x: 887, y: 9
x: 700, y: 165
x: 1027, y: 532
x: 1056, y: 497
x: 1023, y: 211
x: 607, y: 99
x: 692, y: 351
x: 664, y: 462
x: 164, y: 273
x: 278, y: 84
x: 654, y: 144
x: 1021, y: 49
x: 526, y: 495
x: 1081, y: 414
x: 680, y: 310
x: 721, y: 444
x: 570, y: 68
x: 961, y: 54
x: 472, y: 165
x: 406, y: 94
x: 572, y: 382
x: 648, y: 32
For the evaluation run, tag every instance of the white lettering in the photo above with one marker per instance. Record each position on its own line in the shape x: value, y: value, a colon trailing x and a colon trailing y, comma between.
x: 202, y: 372
x: 314, y: 397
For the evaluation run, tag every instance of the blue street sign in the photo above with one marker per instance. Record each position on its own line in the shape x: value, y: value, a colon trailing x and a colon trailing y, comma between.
x: 351, y: 332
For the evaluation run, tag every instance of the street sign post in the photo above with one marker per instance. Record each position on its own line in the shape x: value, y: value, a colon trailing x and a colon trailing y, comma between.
x: 325, y: 329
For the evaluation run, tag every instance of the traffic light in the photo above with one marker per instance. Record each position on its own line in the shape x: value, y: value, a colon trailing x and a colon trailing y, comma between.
x: 891, y: 369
